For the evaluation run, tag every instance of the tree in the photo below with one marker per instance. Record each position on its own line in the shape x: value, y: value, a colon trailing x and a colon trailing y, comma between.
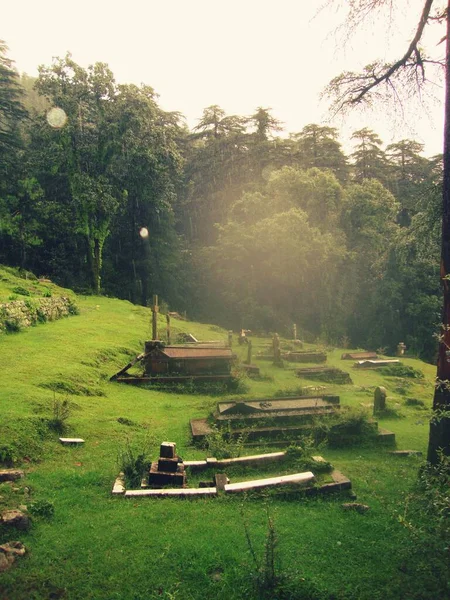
x: 318, y: 146
x: 350, y: 89
x: 89, y: 140
x: 369, y: 161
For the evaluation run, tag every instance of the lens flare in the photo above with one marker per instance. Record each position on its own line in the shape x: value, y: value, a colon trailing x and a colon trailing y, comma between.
x: 56, y: 117
x: 143, y: 232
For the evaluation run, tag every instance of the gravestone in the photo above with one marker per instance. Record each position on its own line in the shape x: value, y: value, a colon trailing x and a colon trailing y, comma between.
x: 379, y: 400
x: 401, y: 349
x: 169, y: 469
x: 230, y: 338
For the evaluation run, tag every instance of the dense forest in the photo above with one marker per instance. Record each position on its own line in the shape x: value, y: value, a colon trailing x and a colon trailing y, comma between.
x: 233, y: 221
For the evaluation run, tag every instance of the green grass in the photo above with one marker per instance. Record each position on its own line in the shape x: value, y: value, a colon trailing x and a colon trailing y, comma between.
x: 102, y: 547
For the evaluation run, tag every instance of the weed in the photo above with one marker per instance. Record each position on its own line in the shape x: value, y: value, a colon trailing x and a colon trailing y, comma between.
x: 133, y: 463
x: 414, y: 402
x: 401, y: 371
x: 61, y: 410
x: 72, y: 388
x: 345, y: 429
x: 125, y: 421
x: 20, y: 290
x: 42, y: 508
x: 223, y: 444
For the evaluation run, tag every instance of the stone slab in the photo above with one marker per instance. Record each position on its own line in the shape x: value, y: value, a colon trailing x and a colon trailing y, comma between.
x: 385, y: 436
x: 168, y: 450
x: 221, y: 480
x: 254, y: 459
x: 257, y: 484
x: 406, y: 452
x: 11, y: 474
x: 171, y: 492
x: 119, y: 485
x: 169, y: 465
x: 71, y: 441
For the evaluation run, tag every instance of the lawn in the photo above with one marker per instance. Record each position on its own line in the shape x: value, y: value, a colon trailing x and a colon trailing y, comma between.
x: 103, y: 547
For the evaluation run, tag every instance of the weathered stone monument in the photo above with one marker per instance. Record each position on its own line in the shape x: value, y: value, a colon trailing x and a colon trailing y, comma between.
x: 379, y: 400
x: 155, y: 311
x: 230, y: 338
x: 276, y: 351
x: 401, y: 349
x: 168, y: 469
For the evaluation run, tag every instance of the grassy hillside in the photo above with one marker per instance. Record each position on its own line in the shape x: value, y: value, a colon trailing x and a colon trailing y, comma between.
x: 103, y: 547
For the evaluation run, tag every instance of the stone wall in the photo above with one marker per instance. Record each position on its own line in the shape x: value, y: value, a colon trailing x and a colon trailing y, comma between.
x: 18, y: 314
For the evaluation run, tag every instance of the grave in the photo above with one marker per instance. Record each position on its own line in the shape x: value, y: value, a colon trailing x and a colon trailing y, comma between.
x: 328, y: 374
x: 267, y: 418
x: 305, y: 481
x: 306, y: 356
x: 168, y: 469
x: 375, y: 364
x: 205, y: 361
x: 359, y: 356
x: 379, y: 400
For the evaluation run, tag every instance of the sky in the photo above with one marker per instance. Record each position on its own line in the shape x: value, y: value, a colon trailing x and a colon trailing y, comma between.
x: 239, y: 54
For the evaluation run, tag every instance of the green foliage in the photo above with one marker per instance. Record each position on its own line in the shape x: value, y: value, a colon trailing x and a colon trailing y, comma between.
x: 346, y: 428
x: 61, y: 411
x: 222, y: 443
x: 73, y: 388
x: 45, y: 509
x: 402, y: 371
x: 133, y: 463
x: 21, y: 290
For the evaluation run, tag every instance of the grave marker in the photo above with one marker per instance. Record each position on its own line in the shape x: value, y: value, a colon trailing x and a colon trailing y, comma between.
x: 379, y: 400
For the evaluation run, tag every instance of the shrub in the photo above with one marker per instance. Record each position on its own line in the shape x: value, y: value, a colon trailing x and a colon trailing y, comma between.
x: 133, y: 464
x: 42, y: 508
x: 414, y: 402
x: 61, y: 411
x: 223, y: 444
x: 20, y: 290
x: 401, y: 371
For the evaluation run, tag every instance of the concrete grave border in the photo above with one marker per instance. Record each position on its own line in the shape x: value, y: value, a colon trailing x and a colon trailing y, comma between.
x: 303, y: 480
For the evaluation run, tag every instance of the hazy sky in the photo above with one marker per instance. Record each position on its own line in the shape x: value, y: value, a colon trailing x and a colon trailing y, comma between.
x: 239, y: 54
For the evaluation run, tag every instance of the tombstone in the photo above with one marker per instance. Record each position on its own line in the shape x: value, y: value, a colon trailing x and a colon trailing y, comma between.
x: 168, y: 328
x: 242, y: 337
x: 155, y: 310
x: 230, y: 338
x: 379, y: 399
x: 295, y: 331
x: 169, y: 469
x: 401, y: 349
x: 276, y: 350
x: 249, y: 353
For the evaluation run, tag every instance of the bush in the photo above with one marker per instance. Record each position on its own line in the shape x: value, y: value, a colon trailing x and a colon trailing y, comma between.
x: 61, y: 411
x: 42, y: 508
x: 133, y: 464
x: 223, y: 444
x: 401, y: 371
x: 20, y: 290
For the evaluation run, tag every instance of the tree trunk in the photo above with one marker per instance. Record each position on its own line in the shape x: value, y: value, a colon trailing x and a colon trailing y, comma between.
x: 440, y: 424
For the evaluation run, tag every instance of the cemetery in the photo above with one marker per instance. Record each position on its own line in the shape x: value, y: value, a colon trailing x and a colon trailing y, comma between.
x: 229, y: 452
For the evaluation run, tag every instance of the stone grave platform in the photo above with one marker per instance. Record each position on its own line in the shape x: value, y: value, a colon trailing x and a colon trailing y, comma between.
x: 328, y: 374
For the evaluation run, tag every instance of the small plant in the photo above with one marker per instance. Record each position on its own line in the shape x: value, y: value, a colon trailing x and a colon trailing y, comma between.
x: 414, y: 402
x: 20, y: 290
x: 401, y: 371
x: 42, y: 508
x: 61, y: 410
x: 47, y: 293
x: 133, y: 464
x: 223, y: 444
